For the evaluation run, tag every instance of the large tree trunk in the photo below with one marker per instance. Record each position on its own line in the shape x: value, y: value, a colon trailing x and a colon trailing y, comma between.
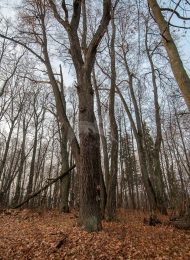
x: 90, y: 172
x: 178, y: 69
x: 83, y: 60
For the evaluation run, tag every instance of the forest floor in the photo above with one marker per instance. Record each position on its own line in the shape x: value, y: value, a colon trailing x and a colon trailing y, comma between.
x: 49, y: 235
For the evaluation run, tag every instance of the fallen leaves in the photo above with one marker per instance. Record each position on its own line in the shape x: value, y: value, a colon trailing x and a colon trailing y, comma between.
x: 30, y: 235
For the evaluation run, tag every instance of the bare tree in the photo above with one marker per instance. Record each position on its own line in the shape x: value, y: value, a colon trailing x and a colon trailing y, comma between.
x: 90, y: 172
x: 178, y: 69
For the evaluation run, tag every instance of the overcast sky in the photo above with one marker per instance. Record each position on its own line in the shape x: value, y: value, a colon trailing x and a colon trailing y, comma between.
x: 7, y: 9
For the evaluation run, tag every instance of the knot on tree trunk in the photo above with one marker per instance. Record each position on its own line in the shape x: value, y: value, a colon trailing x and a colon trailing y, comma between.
x: 83, y: 109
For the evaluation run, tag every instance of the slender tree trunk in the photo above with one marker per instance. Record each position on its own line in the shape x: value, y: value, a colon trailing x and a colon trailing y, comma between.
x: 64, y: 183
x: 183, y: 142
x: 32, y: 165
x: 3, y: 163
x: 103, y: 185
x: 11, y: 171
x: 136, y: 176
x: 111, y: 194
x: 157, y: 172
x: 120, y: 199
x: 141, y: 151
x: 102, y: 134
x: 7, y: 145
x: 178, y: 69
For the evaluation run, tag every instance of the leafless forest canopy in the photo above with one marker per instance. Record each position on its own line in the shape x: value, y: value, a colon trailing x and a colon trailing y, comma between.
x: 102, y: 85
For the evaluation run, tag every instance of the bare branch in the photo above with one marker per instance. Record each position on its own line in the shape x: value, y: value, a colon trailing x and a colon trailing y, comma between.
x: 65, y: 23
x: 65, y: 10
x: 12, y: 74
x: 76, y: 14
x: 23, y: 45
x: 91, y: 53
x: 176, y: 13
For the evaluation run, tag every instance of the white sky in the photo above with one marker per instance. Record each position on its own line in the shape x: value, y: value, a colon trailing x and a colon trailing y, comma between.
x: 7, y: 9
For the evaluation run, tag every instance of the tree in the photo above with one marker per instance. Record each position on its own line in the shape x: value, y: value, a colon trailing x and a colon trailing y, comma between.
x: 112, y: 184
x: 142, y: 121
x: 157, y: 171
x: 178, y: 69
x: 88, y: 161
x: 83, y: 60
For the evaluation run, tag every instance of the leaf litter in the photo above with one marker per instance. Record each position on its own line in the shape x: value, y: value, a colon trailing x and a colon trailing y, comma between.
x: 26, y: 234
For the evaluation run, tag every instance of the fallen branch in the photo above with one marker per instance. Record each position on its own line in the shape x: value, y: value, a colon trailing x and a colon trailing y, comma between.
x: 44, y: 188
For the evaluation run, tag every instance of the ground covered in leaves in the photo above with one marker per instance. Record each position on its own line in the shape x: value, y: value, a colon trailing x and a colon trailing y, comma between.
x: 39, y: 235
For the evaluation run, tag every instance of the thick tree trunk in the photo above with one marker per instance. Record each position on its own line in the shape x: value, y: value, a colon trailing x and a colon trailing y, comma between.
x: 89, y: 158
x: 90, y: 172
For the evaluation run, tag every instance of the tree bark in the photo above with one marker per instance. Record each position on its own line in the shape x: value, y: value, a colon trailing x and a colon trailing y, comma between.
x: 64, y: 183
x: 90, y: 160
x: 90, y: 172
x: 157, y: 171
x: 111, y: 194
x: 141, y: 151
x: 102, y: 134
